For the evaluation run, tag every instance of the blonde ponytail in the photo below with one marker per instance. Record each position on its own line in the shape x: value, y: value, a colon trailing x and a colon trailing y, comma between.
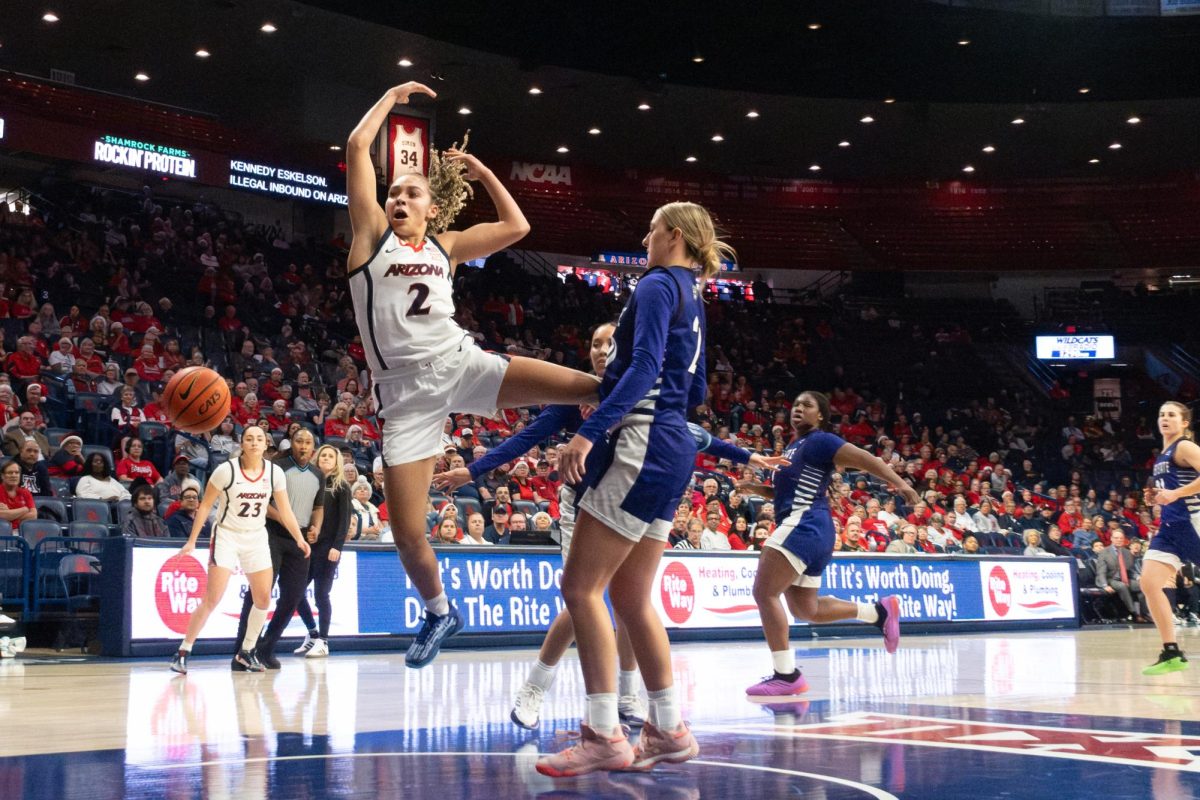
x: 704, y: 245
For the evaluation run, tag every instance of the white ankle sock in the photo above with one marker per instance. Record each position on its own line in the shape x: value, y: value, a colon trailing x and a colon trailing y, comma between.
x: 627, y: 682
x: 439, y: 605
x: 784, y: 661
x: 664, y: 709
x: 542, y: 675
x: 602, y: 713
x: 186, y: 646
x: 867, y: 613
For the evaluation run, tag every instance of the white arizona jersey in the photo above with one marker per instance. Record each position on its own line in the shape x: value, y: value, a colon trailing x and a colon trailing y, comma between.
x: 244, y: 498
x: 404, y: 305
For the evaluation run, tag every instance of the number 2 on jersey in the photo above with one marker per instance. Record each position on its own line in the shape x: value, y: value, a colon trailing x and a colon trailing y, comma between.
x: 418, y: 307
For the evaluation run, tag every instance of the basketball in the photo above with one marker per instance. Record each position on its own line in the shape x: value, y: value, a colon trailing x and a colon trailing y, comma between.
x: 196, y: 400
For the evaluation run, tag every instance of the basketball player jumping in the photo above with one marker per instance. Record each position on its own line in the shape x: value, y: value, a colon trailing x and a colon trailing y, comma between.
x: 423, y: 365
x: 245, y: 487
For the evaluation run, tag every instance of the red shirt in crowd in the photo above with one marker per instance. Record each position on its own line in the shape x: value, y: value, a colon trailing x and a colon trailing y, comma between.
x: 23, y: 365
x: 128, y: 468
x: 21, y: 499
x: 335, y: 427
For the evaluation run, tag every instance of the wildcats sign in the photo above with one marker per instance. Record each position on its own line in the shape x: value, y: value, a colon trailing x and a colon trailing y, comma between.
x: 143, y: 155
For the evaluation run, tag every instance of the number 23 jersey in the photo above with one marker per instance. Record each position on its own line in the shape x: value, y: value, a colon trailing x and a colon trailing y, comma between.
x: 404, y: 304
x: 244, y: 498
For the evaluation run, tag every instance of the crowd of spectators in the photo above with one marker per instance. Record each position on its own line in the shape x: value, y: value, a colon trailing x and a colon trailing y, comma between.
x: 105, y: 294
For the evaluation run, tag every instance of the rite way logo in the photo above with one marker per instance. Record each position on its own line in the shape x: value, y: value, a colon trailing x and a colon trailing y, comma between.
x: 678, y: 592
x: 178, y: 589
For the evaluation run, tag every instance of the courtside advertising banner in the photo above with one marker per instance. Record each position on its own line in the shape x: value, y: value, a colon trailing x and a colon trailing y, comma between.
x: 1023, y: 590
x: 717, y: 591
x: 503, y: 590
x: 495, y: 589
x: 167, y: 587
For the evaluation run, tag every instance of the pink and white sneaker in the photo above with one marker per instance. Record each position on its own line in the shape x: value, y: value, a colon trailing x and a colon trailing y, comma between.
x: 594, y: 752
x: 775, y: 686
x: 656, y: 745
x: 891, y: 624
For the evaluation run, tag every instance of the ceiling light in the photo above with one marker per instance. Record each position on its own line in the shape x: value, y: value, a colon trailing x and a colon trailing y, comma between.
x: 889, y: 100
x: 1093, y: 161
x: 1134, y: 120
x: 690, y: 159
x: 814, y: 26
x: 1084, y: 90
x: 563, y: 149
x: 718, y: 137
x: 643, y: 106
x: 968, y: 168
x: 843, y: 143
x: 335, y: 147
x: 464, y: 110
x: 49, y: 16
x: 534, y: 90
x: 141, y: 76
x: 594, y: 131
x: 989, y: 148
x: 1115, y: 146
x: 963, y: 42
x: 202, y: 53
x: 697, y: 59
x: 752, y: 114
x: 268, y: 28
x: 815, y: 168
x: 867, y: 120
x: 404, y: 62
x: 1019, y: 121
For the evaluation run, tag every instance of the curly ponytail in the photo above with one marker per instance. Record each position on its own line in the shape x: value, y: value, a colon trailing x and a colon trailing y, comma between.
x: 704, y: 245
x: 447, y: 186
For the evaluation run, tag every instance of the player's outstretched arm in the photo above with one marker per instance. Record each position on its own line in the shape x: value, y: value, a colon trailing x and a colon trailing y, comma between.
x: 367, y: 219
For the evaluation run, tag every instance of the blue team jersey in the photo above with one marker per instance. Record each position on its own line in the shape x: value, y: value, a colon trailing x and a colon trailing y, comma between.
x: 1169, y: 475
x: 656, y: 365
x: 802, y: 486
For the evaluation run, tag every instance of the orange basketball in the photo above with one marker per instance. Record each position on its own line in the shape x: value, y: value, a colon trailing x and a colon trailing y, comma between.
x: 196, y: 400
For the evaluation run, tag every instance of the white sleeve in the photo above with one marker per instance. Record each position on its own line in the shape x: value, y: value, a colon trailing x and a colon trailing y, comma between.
x: 278, y: 481
x: 222, y: 476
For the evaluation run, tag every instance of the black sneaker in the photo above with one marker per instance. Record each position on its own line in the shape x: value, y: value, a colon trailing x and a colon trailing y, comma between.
x: 246, y: 661
x: 266, y: 657
x: 179, y: 662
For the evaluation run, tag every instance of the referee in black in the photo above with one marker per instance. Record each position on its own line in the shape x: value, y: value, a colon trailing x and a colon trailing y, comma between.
x: 306, y: 495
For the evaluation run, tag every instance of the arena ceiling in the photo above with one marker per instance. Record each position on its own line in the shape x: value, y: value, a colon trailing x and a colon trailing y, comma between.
x: 938, y: 84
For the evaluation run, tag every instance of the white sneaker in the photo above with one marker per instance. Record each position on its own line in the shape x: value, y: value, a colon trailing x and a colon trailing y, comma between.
x: 306, y: 645
x: 527, y: 709
x: 319, y: 649
x: 7, y: 620
x: 632, y: 710
x: 10, y: 647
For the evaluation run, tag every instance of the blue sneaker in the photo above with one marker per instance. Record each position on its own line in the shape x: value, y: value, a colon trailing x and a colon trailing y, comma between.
x: 434, y: 631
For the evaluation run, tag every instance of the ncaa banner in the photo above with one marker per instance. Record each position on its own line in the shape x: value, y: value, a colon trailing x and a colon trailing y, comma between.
x: 166, y: 587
